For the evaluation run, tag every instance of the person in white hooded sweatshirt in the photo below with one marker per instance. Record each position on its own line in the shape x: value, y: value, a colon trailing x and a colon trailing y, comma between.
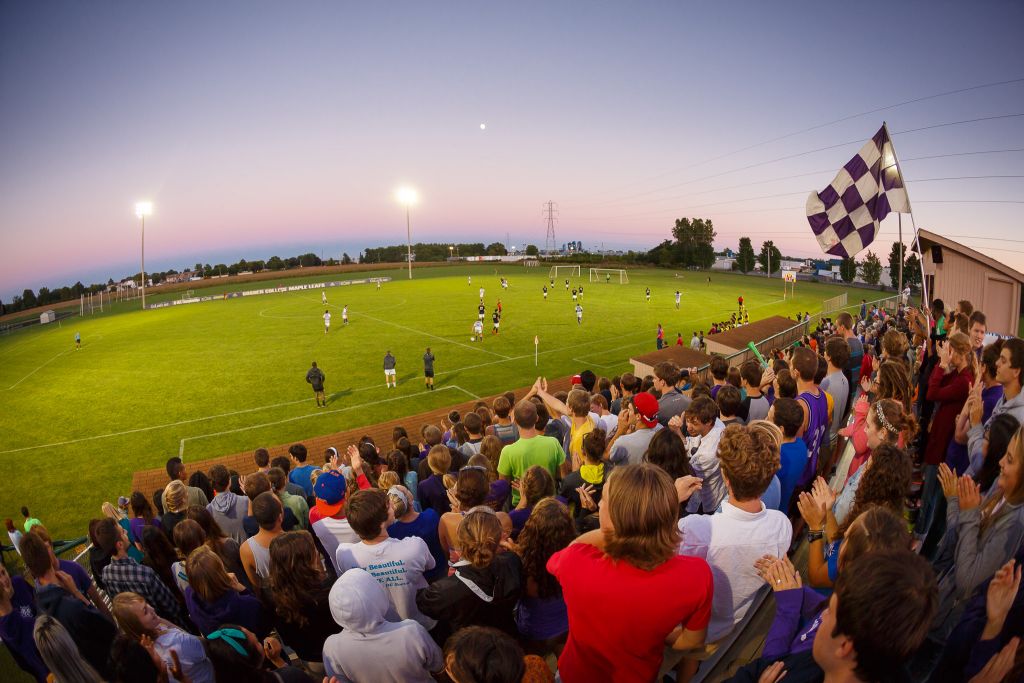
x: 371, y: 649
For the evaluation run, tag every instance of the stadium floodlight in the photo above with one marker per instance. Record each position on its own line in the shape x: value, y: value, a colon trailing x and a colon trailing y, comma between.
x: 407, y: 196
x: 143, y: 209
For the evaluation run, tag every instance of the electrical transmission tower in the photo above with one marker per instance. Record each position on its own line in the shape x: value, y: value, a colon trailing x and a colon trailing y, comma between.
x: 550, y: 212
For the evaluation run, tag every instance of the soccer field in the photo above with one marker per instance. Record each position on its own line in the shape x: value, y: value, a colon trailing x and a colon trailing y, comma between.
x: 224, y: 376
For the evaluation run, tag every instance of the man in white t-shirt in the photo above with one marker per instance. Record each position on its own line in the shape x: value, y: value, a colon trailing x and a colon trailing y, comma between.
x: 344, y: 314
x: 704, y: 429
x: 733, y: 540
x: 327, y: 322
x: 398, y: 565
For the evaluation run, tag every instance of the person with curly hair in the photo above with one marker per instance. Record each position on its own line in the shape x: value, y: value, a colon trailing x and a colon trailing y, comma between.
x: 536, y: 485
x: 745, y: 530
x: 298, y: 596
x: 541, y: 617
x: 631, y: 561
x: 885, y: 482
x: 485, y: 586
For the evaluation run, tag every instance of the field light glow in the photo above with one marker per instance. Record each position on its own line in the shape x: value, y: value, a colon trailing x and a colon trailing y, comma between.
x: 406, y: 196
x: 143, y: 209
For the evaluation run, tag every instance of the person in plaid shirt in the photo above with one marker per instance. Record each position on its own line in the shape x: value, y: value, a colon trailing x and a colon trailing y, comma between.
x: 124, y: 574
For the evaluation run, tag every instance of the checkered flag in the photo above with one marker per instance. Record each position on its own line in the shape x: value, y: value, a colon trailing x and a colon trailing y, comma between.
x: 845, y: 215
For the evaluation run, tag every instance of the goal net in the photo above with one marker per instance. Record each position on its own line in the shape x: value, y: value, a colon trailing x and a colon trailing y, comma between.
x: 608, y: 275
x: 572, y: 270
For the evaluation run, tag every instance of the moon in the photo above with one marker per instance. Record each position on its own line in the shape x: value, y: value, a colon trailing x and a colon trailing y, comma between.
x: 483, y: 126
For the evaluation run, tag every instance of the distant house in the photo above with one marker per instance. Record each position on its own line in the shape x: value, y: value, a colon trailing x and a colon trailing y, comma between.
x: 723, y: 263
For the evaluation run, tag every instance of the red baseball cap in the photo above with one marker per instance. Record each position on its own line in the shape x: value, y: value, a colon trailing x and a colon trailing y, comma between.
x: 646, y: 408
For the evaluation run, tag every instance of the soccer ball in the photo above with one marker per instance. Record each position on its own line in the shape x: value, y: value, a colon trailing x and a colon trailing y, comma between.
x: 472, y: 339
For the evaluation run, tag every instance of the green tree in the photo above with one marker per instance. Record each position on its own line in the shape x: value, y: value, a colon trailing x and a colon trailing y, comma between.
x: 745, y: 258
x: 532, y: 250
x: 769, y: 247
x: 275, y: 263
x: 896, y: 254
x: 28, y: 299
x: 848, y: 269
x: 912, y: 271
x: 345, y: 259
x: 871, y: 268
x: 694, y: 245
x: 496, y: 249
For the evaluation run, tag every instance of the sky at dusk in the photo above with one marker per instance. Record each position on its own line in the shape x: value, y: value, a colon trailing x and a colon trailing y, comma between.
x: 261, y: 128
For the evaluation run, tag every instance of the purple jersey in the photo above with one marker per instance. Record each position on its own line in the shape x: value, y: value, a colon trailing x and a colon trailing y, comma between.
x: 816, y: 432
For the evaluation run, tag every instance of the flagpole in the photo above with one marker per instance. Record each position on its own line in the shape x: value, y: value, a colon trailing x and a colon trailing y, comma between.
x: 917, y: 237
x: 899, y: 286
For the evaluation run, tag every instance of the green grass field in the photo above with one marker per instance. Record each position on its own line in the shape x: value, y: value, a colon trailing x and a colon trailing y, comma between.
x: 221, y: 377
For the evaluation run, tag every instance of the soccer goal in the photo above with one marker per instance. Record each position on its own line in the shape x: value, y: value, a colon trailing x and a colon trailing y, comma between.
x: 609, y: 274
x: 555, y: 270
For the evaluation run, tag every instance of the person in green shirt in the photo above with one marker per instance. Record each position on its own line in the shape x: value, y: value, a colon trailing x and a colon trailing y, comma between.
x: 30, y: 521
x: 532, y: 448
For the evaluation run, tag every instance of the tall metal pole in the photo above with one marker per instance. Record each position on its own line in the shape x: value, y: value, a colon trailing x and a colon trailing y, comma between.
x: 408, y: 238
x: 899, y: 284
x: 143, y: 278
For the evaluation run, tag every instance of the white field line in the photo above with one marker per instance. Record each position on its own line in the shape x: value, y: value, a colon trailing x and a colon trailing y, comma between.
x: 181, y: 445
x: 47, y: 362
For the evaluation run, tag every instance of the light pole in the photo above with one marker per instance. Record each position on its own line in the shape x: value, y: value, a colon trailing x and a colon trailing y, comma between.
x: 143, y: 209
x: 408, y: 197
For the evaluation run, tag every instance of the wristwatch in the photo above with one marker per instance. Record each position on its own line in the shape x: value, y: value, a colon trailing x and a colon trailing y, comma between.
x: 813, y: 536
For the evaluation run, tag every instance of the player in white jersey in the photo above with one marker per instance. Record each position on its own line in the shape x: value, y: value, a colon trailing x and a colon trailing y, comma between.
x: 678, y: 297
x: 579, y: 314
x: 327, y: 322
x: 481, y: 294
x: 344, y: 314
x: 469, y: 280
x: 478, y: 331
x: 323, y: 297
x: 378, y: 285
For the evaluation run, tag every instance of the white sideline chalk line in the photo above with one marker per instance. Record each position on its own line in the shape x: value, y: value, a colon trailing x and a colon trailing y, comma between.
x: 181, y: 445
x: 47, y: 362
x: 426, y: 334
x: 263, y: 313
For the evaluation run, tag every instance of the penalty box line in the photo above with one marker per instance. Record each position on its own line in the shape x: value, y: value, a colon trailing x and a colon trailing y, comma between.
x: 181, y: 445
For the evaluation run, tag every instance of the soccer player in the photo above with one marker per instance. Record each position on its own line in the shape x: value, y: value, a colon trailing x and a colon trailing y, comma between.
x: 579, y: 314
x: 567, y: 284
x: 545, y: 292
x: 481, y: 310
x: 478, y: 331
x: 709, y: 280
x: 481, y: 294
x: 323, y: 297
x: 648, y: 294
x: 607, y: 278
x: 581, y: 291
x: 327, y: 322
x: 428, y: 369
x: 499, y: 308
x: 78, y: 336
x: 378, y: 285
x: 390, y: 378
x: 315, y: 377
x: 739, y: 300
x: 678, y: 297
x: 574, y: 295
x: 469, y: 280
x: 344, y: 314
x: 496, y: 319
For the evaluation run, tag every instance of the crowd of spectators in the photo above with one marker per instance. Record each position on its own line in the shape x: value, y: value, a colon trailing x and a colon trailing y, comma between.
x: 620, y: 531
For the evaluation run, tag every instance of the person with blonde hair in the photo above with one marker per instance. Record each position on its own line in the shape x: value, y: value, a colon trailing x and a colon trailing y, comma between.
x: 632, y: 560
x: 175, y: 506
x: 485, y: 586
x: 60, y: 653
x: 215, y: 597
x: 432, y: 492
x: 138, y: 620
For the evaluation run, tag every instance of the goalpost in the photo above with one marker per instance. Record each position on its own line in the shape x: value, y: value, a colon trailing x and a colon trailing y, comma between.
x: 607, y: 274
x: 573, y: 270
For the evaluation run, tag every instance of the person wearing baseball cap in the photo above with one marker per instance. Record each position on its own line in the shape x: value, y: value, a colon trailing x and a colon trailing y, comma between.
x: 327, y: 516
x: 638, y: 422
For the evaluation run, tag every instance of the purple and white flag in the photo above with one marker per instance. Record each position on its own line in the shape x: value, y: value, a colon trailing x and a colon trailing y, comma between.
x: 845, y: 216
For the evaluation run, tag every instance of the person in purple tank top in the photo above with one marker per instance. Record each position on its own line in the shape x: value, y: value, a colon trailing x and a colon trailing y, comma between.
x: 815, y: 406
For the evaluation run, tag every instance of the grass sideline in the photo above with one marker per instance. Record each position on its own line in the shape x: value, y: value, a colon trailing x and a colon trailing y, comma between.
x: 227, y: 376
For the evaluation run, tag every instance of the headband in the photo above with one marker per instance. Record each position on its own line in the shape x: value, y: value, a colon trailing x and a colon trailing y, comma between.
x: 881, y: 418
x: 231, y: 636
x: 397, y: 491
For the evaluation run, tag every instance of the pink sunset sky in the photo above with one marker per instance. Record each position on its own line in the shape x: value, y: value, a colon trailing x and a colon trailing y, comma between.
x: 260, y: 129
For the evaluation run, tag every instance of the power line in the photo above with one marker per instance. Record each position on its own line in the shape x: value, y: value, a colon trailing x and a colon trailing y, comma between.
x: 806, y: 152
x: 924, y: 98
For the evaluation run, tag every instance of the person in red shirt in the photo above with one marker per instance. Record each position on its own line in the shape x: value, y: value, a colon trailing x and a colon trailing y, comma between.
x: 626, y: 590
x: 679, y: 338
